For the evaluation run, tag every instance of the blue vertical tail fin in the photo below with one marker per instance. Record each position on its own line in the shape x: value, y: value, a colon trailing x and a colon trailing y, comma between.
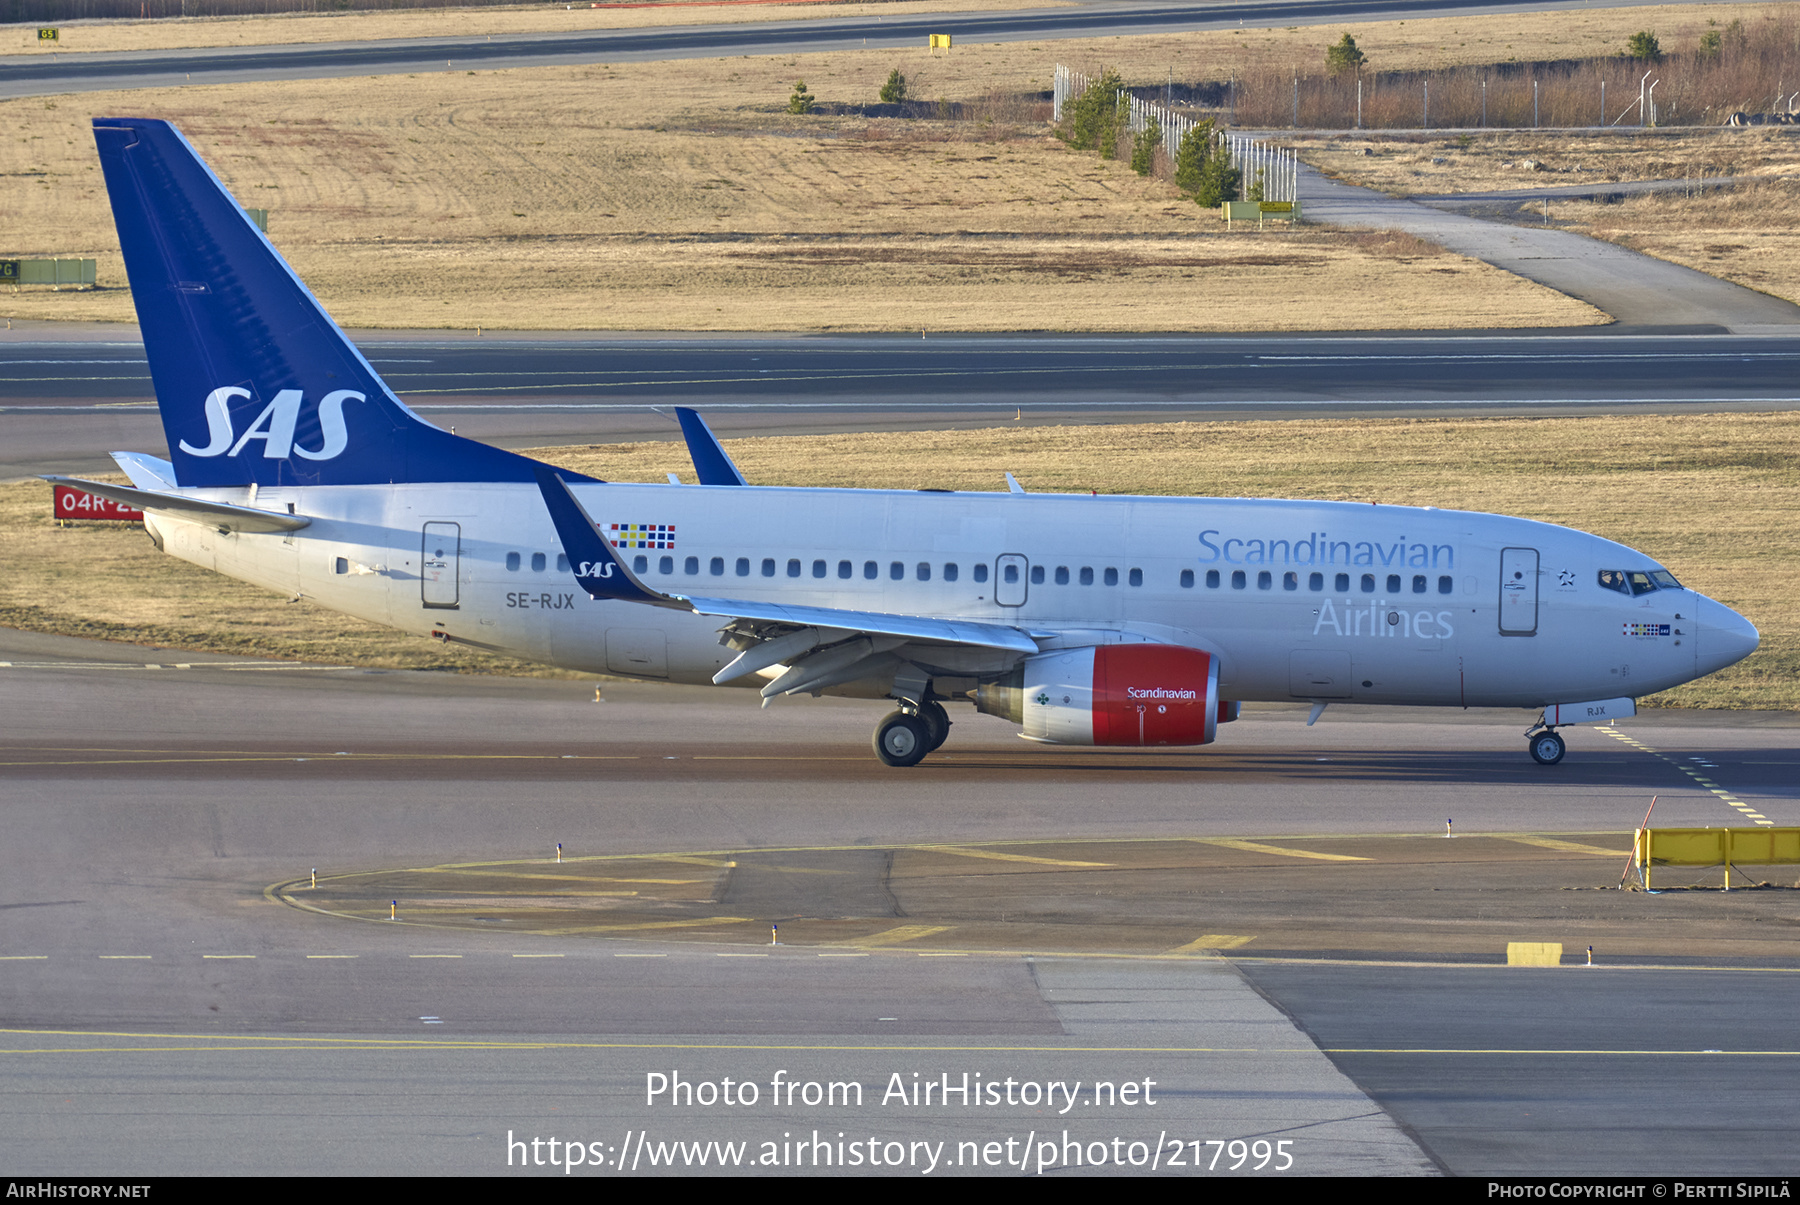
x: 256, y: 383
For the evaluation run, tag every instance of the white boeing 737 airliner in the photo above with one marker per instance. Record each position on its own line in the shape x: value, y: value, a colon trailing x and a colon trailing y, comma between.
x: 1087, y: 621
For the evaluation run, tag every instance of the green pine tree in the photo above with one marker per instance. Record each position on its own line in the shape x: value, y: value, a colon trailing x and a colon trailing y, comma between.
x: 1143, y: 147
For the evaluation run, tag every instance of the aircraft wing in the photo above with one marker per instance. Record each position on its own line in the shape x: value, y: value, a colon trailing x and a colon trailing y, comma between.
x: 222, y: 515
x: 600, y: 571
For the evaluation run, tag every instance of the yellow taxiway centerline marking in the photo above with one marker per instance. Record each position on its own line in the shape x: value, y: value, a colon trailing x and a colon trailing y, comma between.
x: 1572, y: 847
x: 964, y: 851
x: 1213, y: 941
x: 892, y: 937
x: 1257, y: 847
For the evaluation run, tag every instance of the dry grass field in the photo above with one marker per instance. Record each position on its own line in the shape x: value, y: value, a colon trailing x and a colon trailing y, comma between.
x: 1749, y: 234
x: 683, y: 196
x: 1711, y: 496
x: 1417, y: 165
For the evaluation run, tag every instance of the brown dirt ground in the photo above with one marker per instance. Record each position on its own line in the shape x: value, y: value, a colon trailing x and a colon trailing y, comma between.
x: 1710, y: 496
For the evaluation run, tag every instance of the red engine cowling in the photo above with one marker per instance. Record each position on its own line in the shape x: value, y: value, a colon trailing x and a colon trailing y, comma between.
x: 1119, y: 694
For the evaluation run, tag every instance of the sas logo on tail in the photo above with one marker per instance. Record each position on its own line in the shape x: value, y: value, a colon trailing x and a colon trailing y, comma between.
x: 594, y: 569
x: 275, y: 425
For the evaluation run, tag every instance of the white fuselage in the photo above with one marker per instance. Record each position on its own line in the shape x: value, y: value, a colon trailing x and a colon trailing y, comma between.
x: 1317, y: 601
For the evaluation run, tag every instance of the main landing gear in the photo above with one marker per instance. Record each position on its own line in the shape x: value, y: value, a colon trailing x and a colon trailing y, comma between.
x: 904, y: 737
x: 1546, y: 747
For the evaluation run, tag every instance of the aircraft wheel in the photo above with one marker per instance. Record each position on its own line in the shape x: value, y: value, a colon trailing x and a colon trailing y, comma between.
x: 1547, y: 748
x: 937, y: 720
x: 902, y: 740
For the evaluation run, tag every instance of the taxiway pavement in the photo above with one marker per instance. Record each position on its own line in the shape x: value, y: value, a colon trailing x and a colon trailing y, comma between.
x: 163, y: 1014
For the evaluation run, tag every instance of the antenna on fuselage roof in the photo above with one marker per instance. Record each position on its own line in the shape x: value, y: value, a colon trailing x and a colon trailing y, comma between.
x: 1013, y: 486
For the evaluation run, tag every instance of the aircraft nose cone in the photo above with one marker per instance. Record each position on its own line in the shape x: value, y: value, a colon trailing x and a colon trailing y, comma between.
x: 1725, y: 637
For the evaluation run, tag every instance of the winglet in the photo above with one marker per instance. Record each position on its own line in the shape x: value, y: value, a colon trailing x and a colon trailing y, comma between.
x: 597, y: 568
x: 710, y: 461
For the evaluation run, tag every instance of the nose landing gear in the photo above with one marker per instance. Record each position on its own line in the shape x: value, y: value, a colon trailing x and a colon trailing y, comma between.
x: 1546, y: 747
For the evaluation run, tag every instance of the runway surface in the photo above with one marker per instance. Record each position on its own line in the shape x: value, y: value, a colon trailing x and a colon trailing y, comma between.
x: 68, y: 400
x: 36, y: 75
x: 163, y: 1014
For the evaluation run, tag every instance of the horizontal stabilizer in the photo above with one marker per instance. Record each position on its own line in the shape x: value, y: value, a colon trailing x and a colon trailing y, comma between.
x: 146, y: 472
x: 222, y: 515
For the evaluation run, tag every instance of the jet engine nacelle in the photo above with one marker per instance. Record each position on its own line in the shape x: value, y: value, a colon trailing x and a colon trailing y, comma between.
x: 1119, y: 694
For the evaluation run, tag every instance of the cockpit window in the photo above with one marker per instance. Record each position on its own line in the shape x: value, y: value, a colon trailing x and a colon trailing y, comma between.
x: 1638, y: 581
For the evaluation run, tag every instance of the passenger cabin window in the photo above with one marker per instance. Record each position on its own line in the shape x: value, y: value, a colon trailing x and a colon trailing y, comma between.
x: 1315, y: 582
x: 1037, y: 575
x: 691, y: 565
x: 1393, y: 583
x: 1342, y: 583
x: 1062, y: 575
x: 538, y: 561
x: 818, y: 568
x: 1290, y: 580
x: 1212, y: 579
x: 640, y: 563
x: 1368, y: 583
x: 950, y: 571
x: 1187, y: 579
x: 844, y: 570
x: 716, y: 566
x: 897, y: 572
x: 1135, y: 577
x: 1446, y: 583
x: 981, y: 572
x: 512, y: 562
x: 1087, y: 576
x: 793, y: 567
x: 1112, y: 576
x: 562, y: 562
x: 871, y: 570
x: 923, y: 572
x: 768, y: 566
x: 665, y: 564
x: 1011, y: 575
x: 1418, y: 583
x: 743, y: 566
x: 1238, y: 580
x: 1264, y: 580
